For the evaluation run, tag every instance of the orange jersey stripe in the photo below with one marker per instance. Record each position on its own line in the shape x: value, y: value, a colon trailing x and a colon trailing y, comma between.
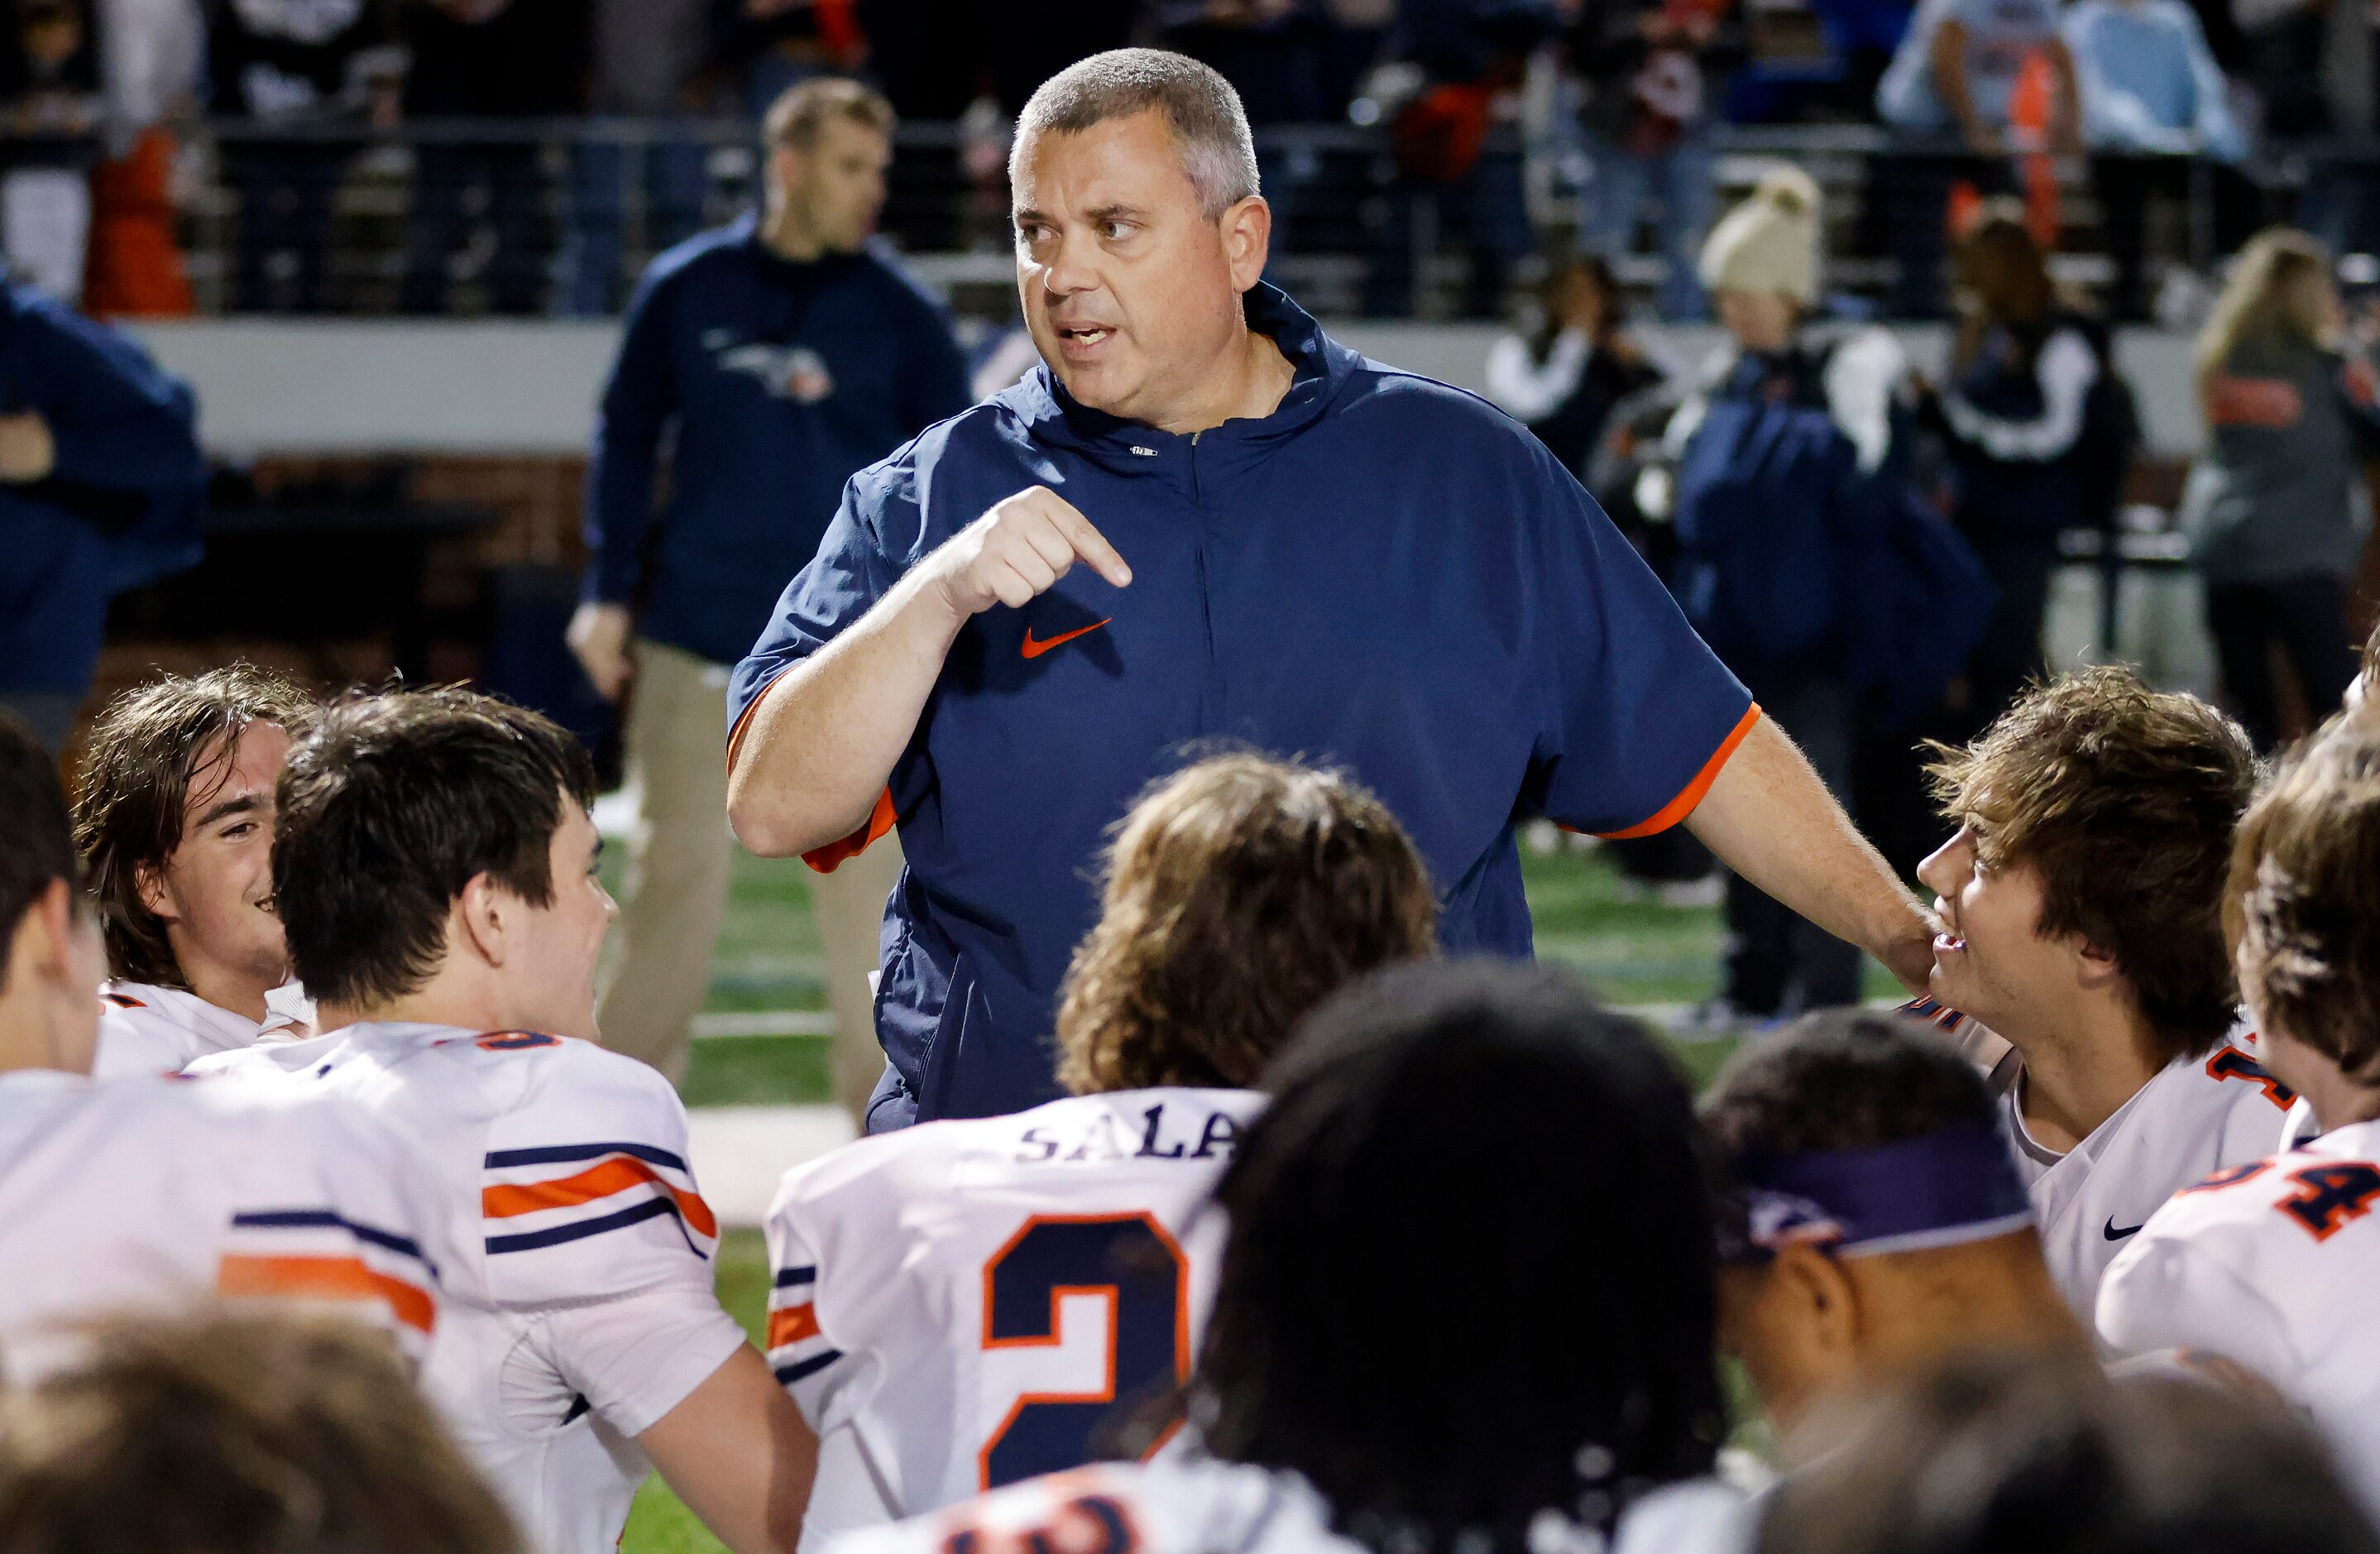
x: 1678, y: 808
x: 616, y: 1174
x: 792, y: 1325
x: 346, y: 1278
x: 831, y: 857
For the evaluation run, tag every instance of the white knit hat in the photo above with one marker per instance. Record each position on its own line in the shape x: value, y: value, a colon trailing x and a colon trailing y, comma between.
x: 1769, y: 242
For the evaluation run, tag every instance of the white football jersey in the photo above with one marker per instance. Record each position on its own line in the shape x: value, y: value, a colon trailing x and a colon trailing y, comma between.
x: 141, y: 1192
x: 2271, y: 1264
x: 965, y: 1304
x: 1187, y: 1504
x: 2194, y: 1116
x: 580, y: 1309
x: 148, y: 1029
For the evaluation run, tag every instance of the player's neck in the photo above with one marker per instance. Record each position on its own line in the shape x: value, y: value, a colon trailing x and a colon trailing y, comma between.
x: 2341, y: 1101
x: 239, y: 990
x: 1997, y: 1292
x: 2080, y: 1075
x: 449, y: 997
x: 1248, y: 385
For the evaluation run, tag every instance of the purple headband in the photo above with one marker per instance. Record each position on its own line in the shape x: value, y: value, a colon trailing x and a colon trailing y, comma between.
x: 1944, y: 1188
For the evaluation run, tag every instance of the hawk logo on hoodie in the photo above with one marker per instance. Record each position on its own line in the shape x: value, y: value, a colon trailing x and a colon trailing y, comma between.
x: 794, y: 372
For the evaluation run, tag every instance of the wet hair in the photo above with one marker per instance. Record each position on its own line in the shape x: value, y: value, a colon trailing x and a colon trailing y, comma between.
x: 1240, y: 893
x: 1469, y: 1274
x: 803, y: 109
x: 219, y: 1434
x: 389, y: 807
x: 1994, y: 1453
x: 1843, y: 1079
x: 1210, y: 128
x: 36, y: 839
x: 2123, y: 800
x: 2302, y: 908
x: 150, y: 750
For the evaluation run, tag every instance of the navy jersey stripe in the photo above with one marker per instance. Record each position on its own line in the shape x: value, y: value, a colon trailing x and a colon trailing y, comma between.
x: 789, y: 1277
x: 789, y: 1373
x: 635, y: 1214
x: 554, y: 1154
x: 325, y: 1219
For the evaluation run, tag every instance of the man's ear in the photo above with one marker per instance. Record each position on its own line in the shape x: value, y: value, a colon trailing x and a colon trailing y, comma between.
x: 788, y: 168
x: 149, y: 884
x: 480, y: 920
x: 1826, y: 1306
x: 2096, y: 968
x: 1248, y: 240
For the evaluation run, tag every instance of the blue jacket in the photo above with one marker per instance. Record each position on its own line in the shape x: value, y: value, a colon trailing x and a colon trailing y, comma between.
x: 1385, y: 574
x: 122, y: 506
x: 780, y: 380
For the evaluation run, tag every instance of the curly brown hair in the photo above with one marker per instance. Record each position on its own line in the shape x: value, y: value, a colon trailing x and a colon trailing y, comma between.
x: 2123, y: 800
x: 149, y: 750
x: 2302, y: 908
x: 1242, y: 892
x: 239, y: 1433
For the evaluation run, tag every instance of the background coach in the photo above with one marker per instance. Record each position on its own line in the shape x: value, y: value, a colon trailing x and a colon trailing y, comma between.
x: 783, y: 354
x: 1285, y: 544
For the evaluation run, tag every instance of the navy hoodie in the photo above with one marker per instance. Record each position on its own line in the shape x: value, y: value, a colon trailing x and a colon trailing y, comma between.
x: 779, y: 380
x: 120, y: 508
x: 1386, y: 575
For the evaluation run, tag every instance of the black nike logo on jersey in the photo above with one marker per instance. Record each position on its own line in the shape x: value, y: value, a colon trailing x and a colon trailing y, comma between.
x: 2112, y: 1234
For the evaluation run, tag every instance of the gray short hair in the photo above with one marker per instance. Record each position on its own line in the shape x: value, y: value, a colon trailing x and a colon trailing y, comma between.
x: 1199, y: 107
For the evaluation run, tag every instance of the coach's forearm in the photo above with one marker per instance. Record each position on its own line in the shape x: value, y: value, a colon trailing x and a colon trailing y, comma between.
x: 823, y: 740
x: 1770, y: 818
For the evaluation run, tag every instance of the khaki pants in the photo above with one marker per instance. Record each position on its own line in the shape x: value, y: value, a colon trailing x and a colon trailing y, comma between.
x: 675, y: 892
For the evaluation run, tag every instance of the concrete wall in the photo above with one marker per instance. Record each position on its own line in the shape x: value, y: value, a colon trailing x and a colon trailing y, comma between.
x: 275, y: 386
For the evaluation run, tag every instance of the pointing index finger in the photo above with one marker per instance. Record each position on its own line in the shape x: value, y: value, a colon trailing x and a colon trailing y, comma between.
x: 1093, y: 547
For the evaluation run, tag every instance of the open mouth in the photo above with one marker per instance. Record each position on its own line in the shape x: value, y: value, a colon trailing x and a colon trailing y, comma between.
x: 1083, y: 334
x: 1950, y: 940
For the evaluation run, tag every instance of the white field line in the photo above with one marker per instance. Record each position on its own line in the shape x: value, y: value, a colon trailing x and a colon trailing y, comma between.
x: 765, y: 1022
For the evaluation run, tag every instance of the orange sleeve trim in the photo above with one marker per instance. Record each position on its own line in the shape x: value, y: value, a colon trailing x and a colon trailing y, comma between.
x: 792, y: 1325
x: 1678, y: 808
x: 346, y: 1278
x: 835, y: 855
x: 616, y: 1174
x: 735, y: 734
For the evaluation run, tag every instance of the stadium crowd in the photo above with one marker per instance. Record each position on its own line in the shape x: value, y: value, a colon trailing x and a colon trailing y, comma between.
x: 1237, y: 1183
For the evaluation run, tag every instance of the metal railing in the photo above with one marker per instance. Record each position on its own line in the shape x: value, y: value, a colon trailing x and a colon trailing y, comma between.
x: 534, y: 217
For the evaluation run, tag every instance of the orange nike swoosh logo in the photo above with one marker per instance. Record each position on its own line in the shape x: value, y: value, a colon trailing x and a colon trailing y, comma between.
x: 1035, y: 649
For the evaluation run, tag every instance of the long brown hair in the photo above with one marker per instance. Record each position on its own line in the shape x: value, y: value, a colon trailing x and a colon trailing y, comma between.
x: 1240, y: 893
x: 2004, y: 272
x: 2279, y: 294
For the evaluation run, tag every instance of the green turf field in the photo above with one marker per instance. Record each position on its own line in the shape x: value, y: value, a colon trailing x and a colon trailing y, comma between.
x: 1634, y: 949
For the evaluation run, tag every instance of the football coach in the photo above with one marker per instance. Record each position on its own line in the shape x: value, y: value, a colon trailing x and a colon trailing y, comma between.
x: 1204, y: 519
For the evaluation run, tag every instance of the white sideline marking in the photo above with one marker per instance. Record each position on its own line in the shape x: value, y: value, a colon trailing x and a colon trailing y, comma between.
x: 739, y: 1152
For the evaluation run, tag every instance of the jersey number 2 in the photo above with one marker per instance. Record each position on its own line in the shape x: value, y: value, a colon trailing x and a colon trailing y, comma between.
x: 1127, y: 1261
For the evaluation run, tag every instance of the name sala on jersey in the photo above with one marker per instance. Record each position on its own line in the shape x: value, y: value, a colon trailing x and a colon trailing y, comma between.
x: 1166, y: 1132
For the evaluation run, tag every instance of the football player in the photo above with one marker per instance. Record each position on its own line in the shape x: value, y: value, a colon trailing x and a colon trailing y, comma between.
x: 1876, y: 1222
x: 2026, y: 1452
x: 436, y: 864
x: 141, y: 1193
x: 960, y: 1307
x: 2081, y: 900
x: 175, y: 823
x: 2269, y: 1264
x: 237, y: 1434
x: 1464, y: 1303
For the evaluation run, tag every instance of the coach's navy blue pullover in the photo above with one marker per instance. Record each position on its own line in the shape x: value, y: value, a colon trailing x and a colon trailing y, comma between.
x: 780, y: 379
x: 1385, y: 574
x: 121, y: 505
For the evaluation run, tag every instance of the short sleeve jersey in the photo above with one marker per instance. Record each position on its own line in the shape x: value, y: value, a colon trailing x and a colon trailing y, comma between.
x: 581, y: 1308
x: 970, y: 1304
x: 146, y: 1029
x: 1385, y: 574
x: 2271, y: 1264
x: 1191, y: 1504
x: 143, y: 1193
